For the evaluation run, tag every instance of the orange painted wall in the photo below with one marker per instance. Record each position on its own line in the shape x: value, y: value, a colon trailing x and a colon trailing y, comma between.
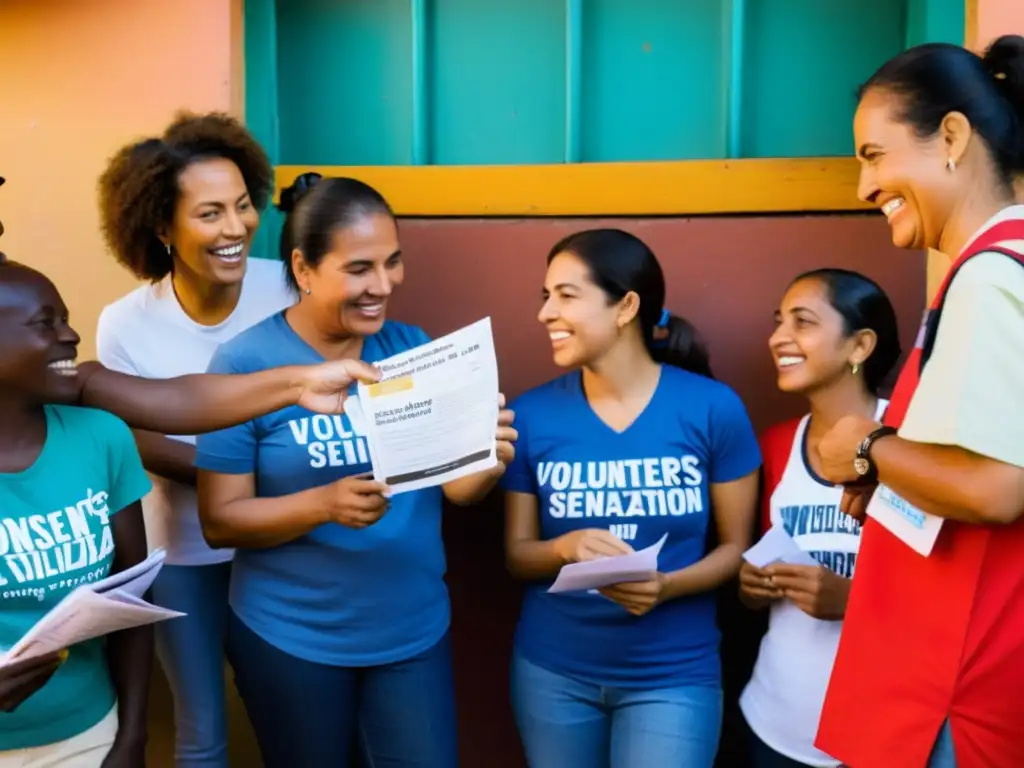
x: 81, y: 77
x: 998, y: 17
x: 92, y: 75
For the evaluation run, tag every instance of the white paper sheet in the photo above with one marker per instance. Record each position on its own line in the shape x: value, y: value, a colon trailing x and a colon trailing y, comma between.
x: 433, y: 417
x: 914, y: 527
x: 94, y: 610
x: 594, y: 574
x: 777, y: 546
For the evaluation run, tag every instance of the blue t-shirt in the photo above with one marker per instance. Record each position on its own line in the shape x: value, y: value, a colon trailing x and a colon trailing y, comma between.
x: 337, y: 595
x: 55, y: 536
x: 649, y: 480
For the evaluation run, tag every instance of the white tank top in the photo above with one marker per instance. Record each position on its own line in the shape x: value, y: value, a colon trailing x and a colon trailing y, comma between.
x: 783, y: 700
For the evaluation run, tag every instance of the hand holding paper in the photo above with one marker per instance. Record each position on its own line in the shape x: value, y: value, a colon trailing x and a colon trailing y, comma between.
x: 432, y: 417
x: 606, y: 571
x: 795, y: 575
x: 777, y: 546
x: 815, y: 590
x: 94, y: 610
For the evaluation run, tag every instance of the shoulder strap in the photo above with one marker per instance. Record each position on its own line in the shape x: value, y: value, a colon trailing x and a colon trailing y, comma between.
x: 932, y: 325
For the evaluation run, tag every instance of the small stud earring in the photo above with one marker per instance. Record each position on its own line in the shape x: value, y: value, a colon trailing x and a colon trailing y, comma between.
x: 855, y: 369
x: 308, y: 291
x: 950, y: 165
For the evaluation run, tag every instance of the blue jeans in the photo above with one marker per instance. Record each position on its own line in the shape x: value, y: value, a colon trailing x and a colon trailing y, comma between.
x: 565, y: 722
x: 763, y: 756
x: 309, y: 715
x: 191, y: 652
x: 943, y: 755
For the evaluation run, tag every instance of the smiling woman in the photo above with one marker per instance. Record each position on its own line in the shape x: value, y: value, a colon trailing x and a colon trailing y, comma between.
x: 635, y: 430
x: 87, y: 705
x: 181, y: 211
x: 338, y: 595
x: 935, y: 619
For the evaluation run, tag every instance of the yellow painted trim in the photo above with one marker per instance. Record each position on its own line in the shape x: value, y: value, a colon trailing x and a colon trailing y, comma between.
x: 971, y: 24
x: 596, y: 189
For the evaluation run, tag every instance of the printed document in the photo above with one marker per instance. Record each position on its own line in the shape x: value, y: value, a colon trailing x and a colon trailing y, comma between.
x: 777, y: 546
x: 94, y: 610
x: 604, y: 571
x: 432, y: 417
x: 915, y: 527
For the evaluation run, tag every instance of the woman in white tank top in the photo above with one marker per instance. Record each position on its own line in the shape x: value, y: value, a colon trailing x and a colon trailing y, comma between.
x: 835, y: 342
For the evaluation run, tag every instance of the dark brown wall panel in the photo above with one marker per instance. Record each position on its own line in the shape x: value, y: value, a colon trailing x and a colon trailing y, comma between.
x: 725, y: 274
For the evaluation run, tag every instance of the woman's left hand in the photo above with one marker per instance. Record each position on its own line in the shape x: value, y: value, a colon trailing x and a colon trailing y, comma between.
x: 637, y: 597
x: 814, y: 589
x: 838, y: 448
x: 125, y: 753
x: 506, y: 434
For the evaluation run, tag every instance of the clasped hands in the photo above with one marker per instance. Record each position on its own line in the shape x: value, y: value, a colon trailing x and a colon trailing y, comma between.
x: 637, y: 597
x: 814, y: 589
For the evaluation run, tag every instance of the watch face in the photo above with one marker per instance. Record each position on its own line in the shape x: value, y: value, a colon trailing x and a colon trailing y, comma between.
x: 861, y: 466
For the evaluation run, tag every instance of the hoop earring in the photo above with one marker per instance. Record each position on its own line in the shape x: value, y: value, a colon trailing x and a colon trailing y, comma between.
x: 950, y: 165
x: 855, y: 369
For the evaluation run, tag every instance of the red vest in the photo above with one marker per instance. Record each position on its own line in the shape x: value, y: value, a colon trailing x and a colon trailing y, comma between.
x: 931, y: 638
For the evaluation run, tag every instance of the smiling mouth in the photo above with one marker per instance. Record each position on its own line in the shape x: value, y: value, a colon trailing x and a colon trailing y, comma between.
x: 788, y: 361
x: 557, y: 336
x: 891, y: 207
x: 370, y: 309
x: 231, y: 254
x: 66, y: 368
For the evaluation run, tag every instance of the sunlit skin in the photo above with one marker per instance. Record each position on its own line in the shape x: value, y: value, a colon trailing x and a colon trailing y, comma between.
x: 935, y: 192
x: 211, y: 232
x: 345, y: 297
x: 581, y: 323
x: 39, y: 359
x: 37, y: 367
x: 809, y: 345
x: 815, y: 358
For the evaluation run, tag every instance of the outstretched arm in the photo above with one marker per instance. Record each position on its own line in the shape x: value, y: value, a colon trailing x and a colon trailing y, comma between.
x: 199, y: 403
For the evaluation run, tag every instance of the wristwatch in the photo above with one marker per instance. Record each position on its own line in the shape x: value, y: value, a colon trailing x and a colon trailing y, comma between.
x: 862, y: 463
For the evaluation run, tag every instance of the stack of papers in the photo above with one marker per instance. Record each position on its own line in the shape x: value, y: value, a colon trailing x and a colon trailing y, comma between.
x: 433, y: 416
x: 777, y: 546
x: 605, y: 571
x: 93, y: 610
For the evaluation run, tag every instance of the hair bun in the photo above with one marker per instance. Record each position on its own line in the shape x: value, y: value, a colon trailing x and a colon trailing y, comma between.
x: 1004, y: 59
x: 291, y: 195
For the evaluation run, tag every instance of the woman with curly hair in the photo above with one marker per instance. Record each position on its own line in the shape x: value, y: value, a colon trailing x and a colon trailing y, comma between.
x: 180, y: 212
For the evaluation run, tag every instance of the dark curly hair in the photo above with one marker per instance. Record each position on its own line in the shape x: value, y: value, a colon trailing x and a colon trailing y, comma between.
x: 139, y: 189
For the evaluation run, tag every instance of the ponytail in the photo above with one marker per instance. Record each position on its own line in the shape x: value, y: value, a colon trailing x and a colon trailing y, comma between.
x: 290, y: 197
x: 674, y: 341
x: 934, y: 79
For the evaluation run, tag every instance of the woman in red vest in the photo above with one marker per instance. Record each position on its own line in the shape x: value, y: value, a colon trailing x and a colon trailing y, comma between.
x: 930, y: 666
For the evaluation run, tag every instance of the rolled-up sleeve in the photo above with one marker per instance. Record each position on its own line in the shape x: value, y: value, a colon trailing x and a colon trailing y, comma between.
x: 971, y: 392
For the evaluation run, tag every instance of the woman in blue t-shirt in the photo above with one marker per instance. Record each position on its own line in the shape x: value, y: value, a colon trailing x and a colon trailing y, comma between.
x: 637, y: 443
x: 340, y: 613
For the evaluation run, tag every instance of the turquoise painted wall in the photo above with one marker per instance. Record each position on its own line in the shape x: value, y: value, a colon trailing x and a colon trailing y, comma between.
x: 400, y: 82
